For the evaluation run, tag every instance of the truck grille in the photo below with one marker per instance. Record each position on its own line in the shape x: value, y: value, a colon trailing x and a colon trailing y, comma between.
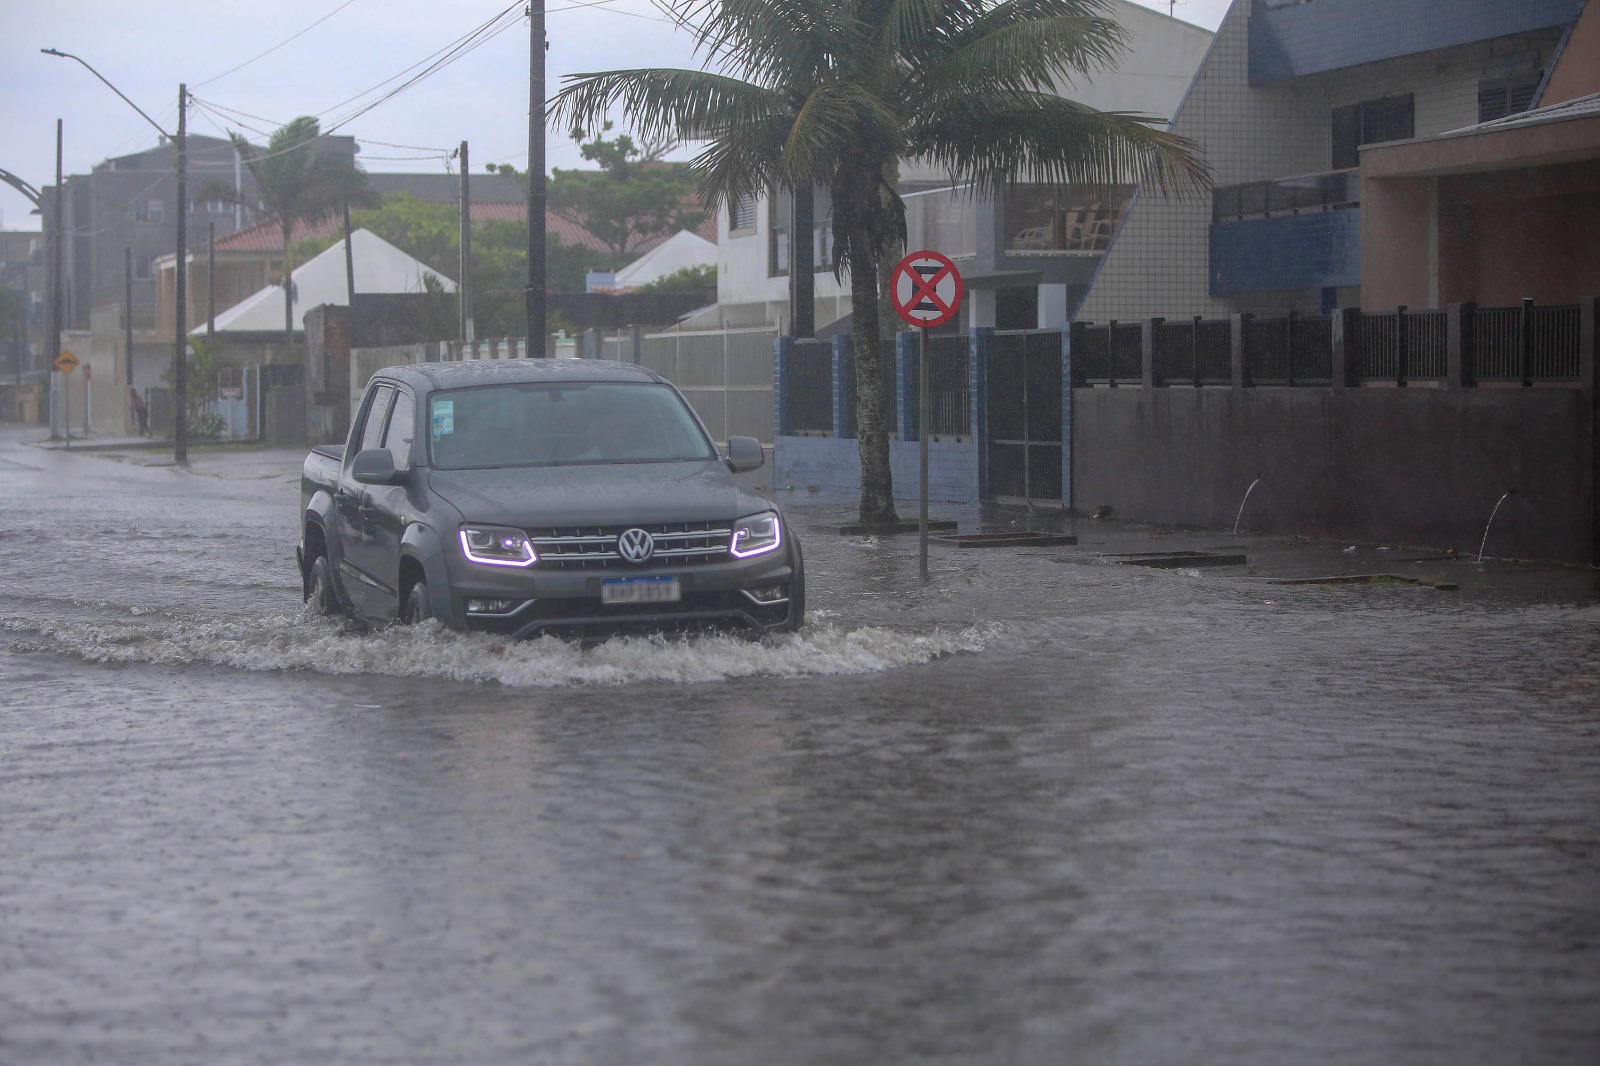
x: 678, y: 543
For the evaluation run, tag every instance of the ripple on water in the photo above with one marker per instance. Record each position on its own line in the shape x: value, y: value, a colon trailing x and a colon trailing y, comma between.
x: 304, y: 642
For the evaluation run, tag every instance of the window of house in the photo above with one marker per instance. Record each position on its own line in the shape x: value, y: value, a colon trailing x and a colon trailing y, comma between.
x: 780, y: 216
x: 143, y: 267
x: 1050, y: 218
x: 151, y: 211
x: 1392, y: 118
x: 742, y: 214
x: 1499, y: 97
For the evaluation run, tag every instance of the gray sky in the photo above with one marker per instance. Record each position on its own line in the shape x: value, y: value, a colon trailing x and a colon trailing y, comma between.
x: 329, y: 69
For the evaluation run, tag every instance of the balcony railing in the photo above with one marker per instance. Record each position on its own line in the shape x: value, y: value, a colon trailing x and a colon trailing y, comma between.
x: 1305, y: 194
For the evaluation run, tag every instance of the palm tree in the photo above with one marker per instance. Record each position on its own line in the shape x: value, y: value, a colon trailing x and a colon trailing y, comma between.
x: 837, y: 92
x: 299, y: 178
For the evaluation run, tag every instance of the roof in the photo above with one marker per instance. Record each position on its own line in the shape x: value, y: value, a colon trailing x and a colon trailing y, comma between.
x: 380, y: 267
x: 471, y: 372
x: 678, y: 252
x: 1566, y: 111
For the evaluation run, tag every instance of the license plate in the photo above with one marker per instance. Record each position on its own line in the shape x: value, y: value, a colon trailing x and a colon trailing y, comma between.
x: 640, y: 590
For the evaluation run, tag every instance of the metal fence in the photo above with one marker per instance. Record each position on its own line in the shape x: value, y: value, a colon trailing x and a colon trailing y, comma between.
x: 1294, y: 350
x: 1527, y: 343
x: 726, y: 375
x: 1196, y: 352
x: 949, y: 392
x: 808, y: 392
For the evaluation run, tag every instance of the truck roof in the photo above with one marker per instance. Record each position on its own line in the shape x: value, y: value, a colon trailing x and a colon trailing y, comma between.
x: 469, y: 372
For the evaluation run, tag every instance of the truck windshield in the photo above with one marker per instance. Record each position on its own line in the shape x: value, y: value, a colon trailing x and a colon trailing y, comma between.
x: 559, y: 424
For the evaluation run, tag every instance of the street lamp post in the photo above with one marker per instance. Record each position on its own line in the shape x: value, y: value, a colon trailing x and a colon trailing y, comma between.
x: 180, y: 367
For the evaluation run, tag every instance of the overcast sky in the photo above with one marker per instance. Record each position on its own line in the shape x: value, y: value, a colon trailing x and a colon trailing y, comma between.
x: 254, y: 66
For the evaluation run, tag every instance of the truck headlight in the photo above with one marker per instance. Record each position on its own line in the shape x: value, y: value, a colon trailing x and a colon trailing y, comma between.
x: 756, y: 535
x: 497, y: 546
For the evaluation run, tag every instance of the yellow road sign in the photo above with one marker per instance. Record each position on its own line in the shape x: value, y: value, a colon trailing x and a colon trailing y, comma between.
x: 66, y: 362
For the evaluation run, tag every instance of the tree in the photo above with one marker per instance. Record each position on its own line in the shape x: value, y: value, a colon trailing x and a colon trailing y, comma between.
x: 300, y: 178
x: 837, y: 92
x: 634, y: 195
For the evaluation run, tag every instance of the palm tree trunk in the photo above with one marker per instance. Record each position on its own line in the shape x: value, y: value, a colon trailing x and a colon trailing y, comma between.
x: 872, y: 427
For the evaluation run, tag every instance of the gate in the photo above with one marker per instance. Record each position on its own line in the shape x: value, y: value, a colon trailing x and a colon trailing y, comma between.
x: 1024, y: 415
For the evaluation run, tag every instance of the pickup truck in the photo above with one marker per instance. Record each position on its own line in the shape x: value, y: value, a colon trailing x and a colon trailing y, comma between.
x: 516, y: 497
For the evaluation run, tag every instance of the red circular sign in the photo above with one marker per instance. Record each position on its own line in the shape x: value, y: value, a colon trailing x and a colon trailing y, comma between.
x: 926, y: 289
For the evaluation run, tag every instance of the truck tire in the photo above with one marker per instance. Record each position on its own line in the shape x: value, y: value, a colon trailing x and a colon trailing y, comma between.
x: 418, y: 608
x: 322, y: 596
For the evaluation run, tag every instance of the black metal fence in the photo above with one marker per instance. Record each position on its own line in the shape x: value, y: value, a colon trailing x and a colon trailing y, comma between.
x: 808, y: 397
x: 1294, y: 350
x: 949, y: 391
x: 1196, y: 352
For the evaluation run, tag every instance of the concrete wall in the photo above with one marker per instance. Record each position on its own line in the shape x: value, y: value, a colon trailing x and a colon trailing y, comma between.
x: 832, y: 466
x: 1396, y: 466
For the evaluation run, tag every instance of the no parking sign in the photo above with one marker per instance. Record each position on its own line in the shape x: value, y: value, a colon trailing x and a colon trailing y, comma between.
x: 926, y: 289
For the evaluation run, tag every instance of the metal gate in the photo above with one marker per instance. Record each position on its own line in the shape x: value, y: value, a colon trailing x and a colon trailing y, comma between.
x: 1024, y: 415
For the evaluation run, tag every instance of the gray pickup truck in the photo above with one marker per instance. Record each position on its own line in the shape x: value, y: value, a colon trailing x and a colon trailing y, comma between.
x: 516, y: 497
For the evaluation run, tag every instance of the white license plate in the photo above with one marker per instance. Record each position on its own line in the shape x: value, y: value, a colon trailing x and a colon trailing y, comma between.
x: 640, y: 590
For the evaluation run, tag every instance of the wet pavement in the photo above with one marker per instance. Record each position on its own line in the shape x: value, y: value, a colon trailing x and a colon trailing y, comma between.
x: 1047, y: 808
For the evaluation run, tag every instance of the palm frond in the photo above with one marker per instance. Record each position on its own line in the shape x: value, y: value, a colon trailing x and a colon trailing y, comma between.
x: 1031, y: 54
x: 990, y: 139
x: 665, y: 103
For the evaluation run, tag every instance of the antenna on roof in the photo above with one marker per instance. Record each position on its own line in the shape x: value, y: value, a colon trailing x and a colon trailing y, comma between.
x: 1172, y: 6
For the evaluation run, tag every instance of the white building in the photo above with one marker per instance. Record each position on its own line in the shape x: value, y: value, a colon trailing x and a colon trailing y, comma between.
x: 1026, y: 258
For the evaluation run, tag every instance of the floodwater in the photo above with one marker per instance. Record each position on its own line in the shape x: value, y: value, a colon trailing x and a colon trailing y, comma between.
x: 1030, y: 813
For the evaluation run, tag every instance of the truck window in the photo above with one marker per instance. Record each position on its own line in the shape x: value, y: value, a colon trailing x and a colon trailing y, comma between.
x: 402, y: 422
x: 377, y: 413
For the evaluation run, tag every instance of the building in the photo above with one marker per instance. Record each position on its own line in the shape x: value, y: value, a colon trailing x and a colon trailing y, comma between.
x: 1026, y: 256
x: 1309, y: 213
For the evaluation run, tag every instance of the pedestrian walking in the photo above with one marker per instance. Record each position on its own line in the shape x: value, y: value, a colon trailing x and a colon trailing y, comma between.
x: 141, y: 411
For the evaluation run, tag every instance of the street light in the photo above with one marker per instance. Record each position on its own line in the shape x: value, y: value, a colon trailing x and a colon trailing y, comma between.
x: 180, y: 373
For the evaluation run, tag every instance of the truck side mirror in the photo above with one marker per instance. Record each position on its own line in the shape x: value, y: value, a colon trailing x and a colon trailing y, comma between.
x: 744, y: 453
x: 375, y: 466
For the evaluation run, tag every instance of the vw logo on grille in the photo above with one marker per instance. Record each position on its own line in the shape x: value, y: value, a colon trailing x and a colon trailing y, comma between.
x: 636, y: 545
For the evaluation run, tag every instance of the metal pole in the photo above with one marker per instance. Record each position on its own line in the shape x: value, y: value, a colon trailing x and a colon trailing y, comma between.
x: 127, y: 314
x: 211, y: 287
x: 922, y: 459
x: 180, y: 356
x: 533, y: 297
x: 464, y: 283
x: 57, y: 252
x: 349, y: 262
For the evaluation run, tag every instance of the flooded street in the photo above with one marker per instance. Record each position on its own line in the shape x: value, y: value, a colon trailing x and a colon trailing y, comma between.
x: 1046, y: 809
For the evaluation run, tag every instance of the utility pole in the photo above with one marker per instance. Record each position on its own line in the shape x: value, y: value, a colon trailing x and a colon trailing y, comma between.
x: 127, y: 313
x: 464, y: 284
x: 534, y: 296
x: 180, y: 354
x: 57, y: 250
x: 211, y: 287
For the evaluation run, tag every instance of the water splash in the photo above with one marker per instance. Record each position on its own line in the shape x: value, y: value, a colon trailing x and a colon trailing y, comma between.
x: 1486, y: 525
x: 1240, y: 516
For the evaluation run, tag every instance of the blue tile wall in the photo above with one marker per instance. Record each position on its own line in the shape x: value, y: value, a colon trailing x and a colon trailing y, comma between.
x: 828, y: 466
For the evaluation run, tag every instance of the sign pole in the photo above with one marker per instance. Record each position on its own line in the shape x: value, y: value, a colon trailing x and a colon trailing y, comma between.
x: 926, y: 290
x: 922, y: 458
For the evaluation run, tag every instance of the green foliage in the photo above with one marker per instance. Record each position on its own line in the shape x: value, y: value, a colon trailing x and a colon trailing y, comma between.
x: 632, y: 197
x: 200, y: 388
x: 688, y: 279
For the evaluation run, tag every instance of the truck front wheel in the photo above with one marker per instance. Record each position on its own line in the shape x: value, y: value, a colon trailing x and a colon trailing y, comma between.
x: 419, y: 608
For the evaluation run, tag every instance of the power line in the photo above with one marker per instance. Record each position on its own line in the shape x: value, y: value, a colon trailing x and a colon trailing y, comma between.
x: 277, y: 46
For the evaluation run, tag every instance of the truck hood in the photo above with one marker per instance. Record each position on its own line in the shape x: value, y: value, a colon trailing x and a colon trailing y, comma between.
x: 596, y: 494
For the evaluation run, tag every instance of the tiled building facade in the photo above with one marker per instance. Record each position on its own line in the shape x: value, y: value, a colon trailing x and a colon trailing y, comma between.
x: 1281, y: 105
